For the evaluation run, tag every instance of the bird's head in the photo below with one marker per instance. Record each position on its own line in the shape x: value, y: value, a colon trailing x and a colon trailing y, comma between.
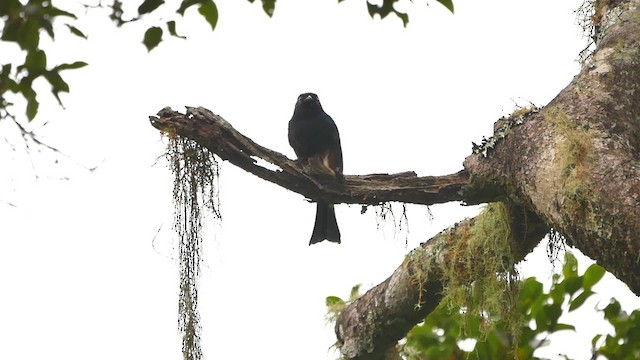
x: 308, y: 101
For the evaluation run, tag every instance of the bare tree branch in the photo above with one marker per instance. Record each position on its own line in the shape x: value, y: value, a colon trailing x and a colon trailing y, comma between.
x: 215, y: 133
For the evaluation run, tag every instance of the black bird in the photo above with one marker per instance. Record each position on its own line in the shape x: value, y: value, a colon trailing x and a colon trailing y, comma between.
x: 314, y: 137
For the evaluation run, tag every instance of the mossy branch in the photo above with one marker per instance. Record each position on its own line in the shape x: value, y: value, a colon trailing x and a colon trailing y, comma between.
x: 217, y: 135
x: 371, y: 325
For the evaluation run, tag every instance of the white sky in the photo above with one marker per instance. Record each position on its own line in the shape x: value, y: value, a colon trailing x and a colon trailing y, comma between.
x: 81, y: 274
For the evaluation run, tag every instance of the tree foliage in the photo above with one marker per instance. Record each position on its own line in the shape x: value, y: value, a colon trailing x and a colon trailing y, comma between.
x: 24, y: 22
x: 23, y: 25
x: 452, y: 332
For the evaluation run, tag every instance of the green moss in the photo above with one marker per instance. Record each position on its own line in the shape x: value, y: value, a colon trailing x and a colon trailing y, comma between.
x: 195, y: 189
x: 420, y: 266
x: 479, y: 276
x: 524, y: 110
x: 573, y: 154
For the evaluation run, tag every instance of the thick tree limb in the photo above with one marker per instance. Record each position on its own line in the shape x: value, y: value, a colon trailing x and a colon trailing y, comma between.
x: 213, y: 132
x: 574, y: 163
x: 582, y: 172
x: 384, y: 315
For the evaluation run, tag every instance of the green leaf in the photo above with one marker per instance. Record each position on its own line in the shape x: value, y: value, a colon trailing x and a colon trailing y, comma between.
x: 333, y: 302
x: 7, y: 83
x: 562, y: 327
x: 570, y: 268
x: 447, y: 3
x: 75, y: 31
x: 386, y: 9
x: 171, y: 25
x: 474, y: 326
x: 404, y: 17
x: 375, y: 9
x: 496, y: 341
x: 612, y: 310
x: 74, y: 65
x: 595, y: 339
x: 53, y: 11
x: 32, y: 103
x: 48, y: 27
x: 593, y: 274
x: 57, y: 84
x: 553, y: 311
x: 557, y: 292
x: 152, y: 37
x: 28, y: 35
x: 355, y: 292
x: 580, y: 299
x: 187, y: 4
x: 6, y: 71
x: 269, y: 7
x: 541, y: 320
x: 482, y: 350
x: 530, y: 290
x: 32, y: 108
x: 11, y: 29
x: 440, y: 351
x: 572, y: 284
x: 35, y: 61
x: 148, y: 6
x: 548, y: 316
x: 209, y: 10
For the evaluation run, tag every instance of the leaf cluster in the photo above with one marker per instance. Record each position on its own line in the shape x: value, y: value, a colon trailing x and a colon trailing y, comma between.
x: 388, y: 7
x: 153, y: 35
x: 625, y: 342
x: 454, y: 333
x: 335, y: 304
x: 439, y: 336
x: 24, y: 25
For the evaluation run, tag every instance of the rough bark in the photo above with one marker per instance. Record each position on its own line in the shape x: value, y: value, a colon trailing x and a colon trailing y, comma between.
x: 574, y: 163
x: 572, y: 166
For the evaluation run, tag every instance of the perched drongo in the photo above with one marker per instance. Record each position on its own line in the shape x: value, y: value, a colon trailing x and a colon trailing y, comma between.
x: 314, y: 137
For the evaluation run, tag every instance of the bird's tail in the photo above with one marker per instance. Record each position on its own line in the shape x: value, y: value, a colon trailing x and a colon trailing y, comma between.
x: 326, y: 226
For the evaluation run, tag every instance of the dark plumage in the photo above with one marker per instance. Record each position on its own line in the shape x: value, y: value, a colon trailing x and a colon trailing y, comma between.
x: 314, y: 137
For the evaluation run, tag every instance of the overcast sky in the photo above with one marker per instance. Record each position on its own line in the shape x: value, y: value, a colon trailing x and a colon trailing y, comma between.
x: 84, y: 275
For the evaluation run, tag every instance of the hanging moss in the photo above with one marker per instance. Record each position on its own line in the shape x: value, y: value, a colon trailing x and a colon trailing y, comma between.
x: 480, y: 276
x: 195, y: 188
x: 385, y: 214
